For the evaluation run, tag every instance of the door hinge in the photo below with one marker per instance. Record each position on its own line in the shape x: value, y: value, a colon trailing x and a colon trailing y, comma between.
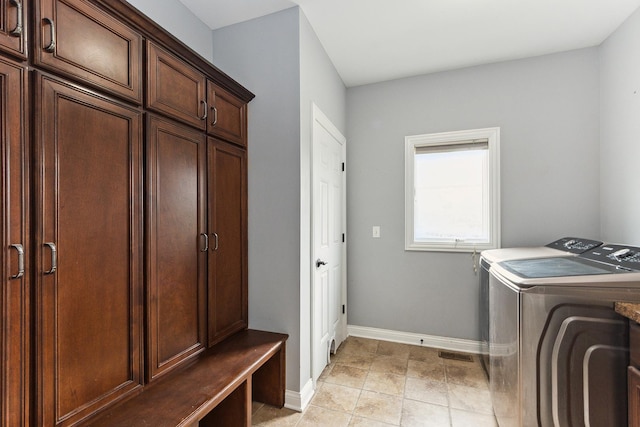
x: 342, y: 237
x: 343, y: 309
x: 342, y: 166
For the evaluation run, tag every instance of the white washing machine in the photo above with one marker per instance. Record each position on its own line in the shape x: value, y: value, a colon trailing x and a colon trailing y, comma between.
x: 558, y: 350
x: 566, y: 246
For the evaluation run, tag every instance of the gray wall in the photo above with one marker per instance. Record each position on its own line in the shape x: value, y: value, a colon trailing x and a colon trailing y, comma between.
x: 620, y: 133
x: 263, y: 55
x: 319, y: 84
x: 547, y: 109
x: 174, y: 17
x: 280, y: 59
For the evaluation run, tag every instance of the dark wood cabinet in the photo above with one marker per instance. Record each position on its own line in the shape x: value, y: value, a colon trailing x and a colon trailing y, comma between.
x: 13, y: 27
x: 227, y: 115
x: 14, y: 300
x: 228, y: 226
x: 81, y: 41
x: 633, y: 383
x: 633, y: 375
x: 88, y: 247
x: 123, y: 258
x: 175, y: 88
x: 176, y: 244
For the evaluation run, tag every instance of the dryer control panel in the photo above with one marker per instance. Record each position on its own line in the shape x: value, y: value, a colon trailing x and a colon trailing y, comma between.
x: 574, y: 245
x: 621, y: 256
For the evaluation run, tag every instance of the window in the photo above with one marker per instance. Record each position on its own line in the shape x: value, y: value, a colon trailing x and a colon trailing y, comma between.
x: 452, y: 191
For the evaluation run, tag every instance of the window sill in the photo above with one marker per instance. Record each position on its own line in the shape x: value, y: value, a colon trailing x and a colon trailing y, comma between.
x: 448, y: 247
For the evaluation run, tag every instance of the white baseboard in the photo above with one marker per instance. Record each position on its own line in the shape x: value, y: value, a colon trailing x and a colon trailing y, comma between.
x: 444, y: 343
x: 298, y: 401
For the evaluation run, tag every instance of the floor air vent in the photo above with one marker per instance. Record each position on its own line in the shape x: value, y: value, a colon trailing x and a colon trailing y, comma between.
x: 455, y: 356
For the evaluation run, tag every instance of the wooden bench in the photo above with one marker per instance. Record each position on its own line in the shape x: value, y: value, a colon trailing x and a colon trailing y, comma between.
x: 215, y: 390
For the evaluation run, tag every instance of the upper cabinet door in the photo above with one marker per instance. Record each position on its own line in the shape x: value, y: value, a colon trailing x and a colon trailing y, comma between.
x: 77, y: 39
x: 227, y: 115
x: 13, y: 27
x: 174, y: 88
x: 14, y: 265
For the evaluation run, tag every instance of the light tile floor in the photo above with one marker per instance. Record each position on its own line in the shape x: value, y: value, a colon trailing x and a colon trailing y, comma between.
x: 377, y: 383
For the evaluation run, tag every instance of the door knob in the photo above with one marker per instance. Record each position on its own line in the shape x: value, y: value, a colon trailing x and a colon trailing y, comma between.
x: 319, y: 262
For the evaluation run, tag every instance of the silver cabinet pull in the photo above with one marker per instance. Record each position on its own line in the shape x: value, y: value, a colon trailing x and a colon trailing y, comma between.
x: 54, y: 258
x: 20, y: 251
x: 51, y: 47
x: 215, y: 115
x: 216, y: 239
x: 206, y: 110
x: 206, y: 242
x: 17, y: 31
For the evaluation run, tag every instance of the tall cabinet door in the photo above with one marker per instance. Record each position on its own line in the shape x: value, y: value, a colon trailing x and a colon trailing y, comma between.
x: 177, y: 244
x: 88, y: 251
x: 228, y: 229
x: 14, y: 268
x: 13, y: 29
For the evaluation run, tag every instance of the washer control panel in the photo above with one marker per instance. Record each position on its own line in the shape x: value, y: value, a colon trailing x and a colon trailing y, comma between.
x: 621, y: 256
x: 574, y: 245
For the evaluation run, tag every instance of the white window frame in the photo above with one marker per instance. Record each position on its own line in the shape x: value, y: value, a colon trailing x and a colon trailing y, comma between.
x: 415, y: 142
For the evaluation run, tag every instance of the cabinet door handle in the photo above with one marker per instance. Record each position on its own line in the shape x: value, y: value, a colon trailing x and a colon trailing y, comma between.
x: 54, y: 258
x: 215, y: 115
x: 20, y: 251
x: 17, y: 31
x: 206, y: 242
x: 216, y: 240
x: 206, y: 110
x: 51, y: 47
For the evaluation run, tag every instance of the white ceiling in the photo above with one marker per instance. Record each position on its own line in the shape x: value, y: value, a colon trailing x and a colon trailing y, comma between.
x: 376, y: 40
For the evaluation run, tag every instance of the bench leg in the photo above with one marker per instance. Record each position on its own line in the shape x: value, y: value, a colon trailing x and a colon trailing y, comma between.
x: 269, y: 380
x: 233, y: 411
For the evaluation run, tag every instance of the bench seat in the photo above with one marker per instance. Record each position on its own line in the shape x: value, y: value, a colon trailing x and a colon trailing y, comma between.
x: 217, y: 388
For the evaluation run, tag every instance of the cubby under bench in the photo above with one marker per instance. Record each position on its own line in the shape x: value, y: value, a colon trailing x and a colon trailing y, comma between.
x: 214, y: 390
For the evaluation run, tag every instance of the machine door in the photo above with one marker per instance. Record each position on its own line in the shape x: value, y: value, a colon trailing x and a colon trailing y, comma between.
x: 581, y: 367
x: 574, y: 356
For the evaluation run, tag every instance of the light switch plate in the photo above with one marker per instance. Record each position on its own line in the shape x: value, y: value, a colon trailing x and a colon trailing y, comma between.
x: 376, y: 232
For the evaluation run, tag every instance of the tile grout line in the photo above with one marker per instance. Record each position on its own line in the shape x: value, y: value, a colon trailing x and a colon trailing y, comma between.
x: 446, y: 380
x: 374, y: 355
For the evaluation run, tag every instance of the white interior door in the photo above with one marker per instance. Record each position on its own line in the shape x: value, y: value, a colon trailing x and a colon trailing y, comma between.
x: 329, y: 249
